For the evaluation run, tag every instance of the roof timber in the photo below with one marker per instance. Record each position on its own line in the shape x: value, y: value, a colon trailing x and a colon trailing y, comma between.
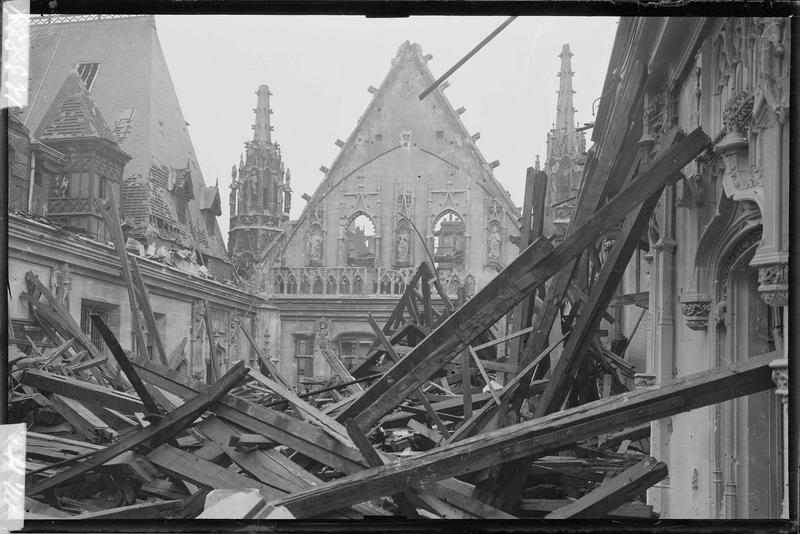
x: 539, y: 436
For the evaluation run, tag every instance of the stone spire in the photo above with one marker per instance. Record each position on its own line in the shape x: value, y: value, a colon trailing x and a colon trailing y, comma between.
x: 262, y: 127
x: 563, y: 138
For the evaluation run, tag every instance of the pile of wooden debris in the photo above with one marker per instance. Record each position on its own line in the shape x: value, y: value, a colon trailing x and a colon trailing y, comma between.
x: 435, y: 423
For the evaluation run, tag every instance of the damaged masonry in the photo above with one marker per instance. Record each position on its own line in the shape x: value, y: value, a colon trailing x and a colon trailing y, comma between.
x: 413, y: 345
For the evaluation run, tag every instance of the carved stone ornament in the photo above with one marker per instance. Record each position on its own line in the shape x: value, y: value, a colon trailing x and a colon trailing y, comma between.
x: 780, y: 375
x: 324, y: 333
x: 644, y: 380
x: 696, y: 309
x: 61, y: 281
x: 773, y: 284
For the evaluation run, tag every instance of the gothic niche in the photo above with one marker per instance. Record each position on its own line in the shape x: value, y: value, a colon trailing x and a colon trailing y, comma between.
x: 402, y: 256
x: 494, y: 235
x: 360, y: 238
x: 314, y: 243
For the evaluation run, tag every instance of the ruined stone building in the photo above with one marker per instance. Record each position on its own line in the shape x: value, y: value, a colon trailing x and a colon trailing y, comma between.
x: 409, y: 185
x: 715, y: 277
x: 103, y: 121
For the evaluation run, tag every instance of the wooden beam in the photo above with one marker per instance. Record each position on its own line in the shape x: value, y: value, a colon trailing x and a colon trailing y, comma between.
x: 108, y: 210
x: 535, y: 195
x: 484, y: 375
x: 540, y: 436
x: 300, y: 435
x: 273, y: 371
x: 466, y: 384
x: 211, y: 345
x: 81, y: 390
x: 418, y: 395
x: 605, y: 285
x: 641, y: 299
x: 374, y: 460
x: 633, y: 510
x: 612, y: 494
x: 530, y: 269
x: 155, y: 433
x: 85, y: 422
x: 187, y: 466
x: 119, y: 355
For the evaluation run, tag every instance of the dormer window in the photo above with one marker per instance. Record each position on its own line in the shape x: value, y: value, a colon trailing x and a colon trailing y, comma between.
x: 87, y: 73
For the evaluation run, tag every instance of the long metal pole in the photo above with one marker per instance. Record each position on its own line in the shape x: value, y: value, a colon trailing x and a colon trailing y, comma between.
x: 463, y: 60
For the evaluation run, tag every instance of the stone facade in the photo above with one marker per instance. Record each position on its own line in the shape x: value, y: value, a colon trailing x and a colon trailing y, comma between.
x: 718, y: 251
x: 409, y: 185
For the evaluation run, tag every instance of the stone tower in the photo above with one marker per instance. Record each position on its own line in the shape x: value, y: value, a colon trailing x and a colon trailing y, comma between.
x: 260, y: 194
x: 566, y: 154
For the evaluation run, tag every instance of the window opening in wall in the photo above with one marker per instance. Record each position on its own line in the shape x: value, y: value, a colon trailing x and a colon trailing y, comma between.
x: 448, y: 237
x: 439, y: 135
x: 87, y: 73
x: 105, y: 311
x: 304, y: 356
x: 378, y: 138
x: 361, y: 241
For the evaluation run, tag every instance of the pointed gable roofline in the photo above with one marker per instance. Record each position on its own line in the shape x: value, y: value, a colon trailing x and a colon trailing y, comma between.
x: 406, y: 52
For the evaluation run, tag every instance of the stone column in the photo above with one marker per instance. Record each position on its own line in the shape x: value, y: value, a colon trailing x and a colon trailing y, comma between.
x: 780, y: 375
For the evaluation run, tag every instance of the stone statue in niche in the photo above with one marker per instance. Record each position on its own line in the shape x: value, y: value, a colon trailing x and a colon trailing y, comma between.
x: 403, y: 245
x: 315, y: 246
x: 495, y: 241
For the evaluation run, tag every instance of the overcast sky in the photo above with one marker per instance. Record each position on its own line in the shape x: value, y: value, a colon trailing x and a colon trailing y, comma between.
x: 319, y: 67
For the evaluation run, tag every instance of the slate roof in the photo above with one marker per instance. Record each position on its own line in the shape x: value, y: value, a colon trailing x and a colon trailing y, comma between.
x: 133, y: 88
x: 73, y: 114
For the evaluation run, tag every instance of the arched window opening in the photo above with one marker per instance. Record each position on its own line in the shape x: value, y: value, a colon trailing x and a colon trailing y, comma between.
x: 360, y: 237
x: 448, y: 238
x: 344, y: 286
x: 278, y: 285
x: 305, y: 286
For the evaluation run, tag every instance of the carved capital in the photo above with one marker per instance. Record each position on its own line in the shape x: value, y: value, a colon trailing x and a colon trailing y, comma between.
x: 780, y: 375
x: 696, y: 309
x: 644, y: 380
x: 773, y: 284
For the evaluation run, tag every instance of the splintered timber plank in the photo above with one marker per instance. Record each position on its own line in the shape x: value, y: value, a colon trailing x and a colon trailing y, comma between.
x: 402, y: 499
x: 617, y: 491
x: 295, y: 433
x: 418, y: 395
x: 80, y: 417
x: 591, y: 311
x: 187, y: 466
x: 530, y: 269
x: 149, y: 510
x: 273, y: 371
x: 259, y: 464
x: 81, y: 390
x: 540, y: 436
x: 159, y: 431
x: 626, y: 511
x: 108, y: 210
x: 124, y: 364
